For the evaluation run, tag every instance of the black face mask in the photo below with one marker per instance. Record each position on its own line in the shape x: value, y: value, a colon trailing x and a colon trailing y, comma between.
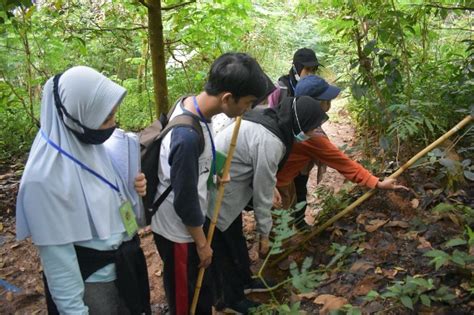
x: 90, y: 136
x: 93, y: 136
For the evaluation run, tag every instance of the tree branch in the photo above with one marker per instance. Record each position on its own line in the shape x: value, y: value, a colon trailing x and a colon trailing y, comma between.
x: 175, y: 6
x: 455, y: 29
x: 448, y: 8
x: 20, y: 99
x: 143, y: 2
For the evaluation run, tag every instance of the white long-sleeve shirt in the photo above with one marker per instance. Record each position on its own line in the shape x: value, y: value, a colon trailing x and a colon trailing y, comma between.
x: 253, y: 174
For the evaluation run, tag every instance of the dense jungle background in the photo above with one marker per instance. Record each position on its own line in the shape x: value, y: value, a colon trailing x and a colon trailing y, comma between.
x: 407, y: 73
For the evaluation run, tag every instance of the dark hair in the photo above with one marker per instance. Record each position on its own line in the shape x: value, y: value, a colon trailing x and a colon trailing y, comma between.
x: 237, y: 73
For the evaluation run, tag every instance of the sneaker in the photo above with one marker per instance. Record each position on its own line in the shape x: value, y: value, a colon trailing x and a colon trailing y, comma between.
x: 241, y: 307
x: 257, y: 285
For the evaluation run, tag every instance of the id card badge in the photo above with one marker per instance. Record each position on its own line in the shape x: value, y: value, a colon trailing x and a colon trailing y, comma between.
x: 128, y: 218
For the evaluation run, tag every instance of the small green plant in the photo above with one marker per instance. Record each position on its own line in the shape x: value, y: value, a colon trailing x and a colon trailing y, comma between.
x: 413, y: 290
x: 347, y: 309
x: 410, y: 291
x: 449, y: 171
x: 441, y: 258
x: 463, y: 212
x: 302, y: 279
x: 458, y: 258
x: 340, y: 252
x: 282, y: 227
x: 331, y: 202
x: 470, y: 235
x: 273, y: 309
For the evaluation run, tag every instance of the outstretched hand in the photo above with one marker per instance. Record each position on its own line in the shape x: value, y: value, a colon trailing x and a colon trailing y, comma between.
x: 390, y: 183
x: 140, y: 184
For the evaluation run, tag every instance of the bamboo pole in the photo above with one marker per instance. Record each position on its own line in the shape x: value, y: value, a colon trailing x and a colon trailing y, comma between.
x: 217, y: 207
x: 368, y: 194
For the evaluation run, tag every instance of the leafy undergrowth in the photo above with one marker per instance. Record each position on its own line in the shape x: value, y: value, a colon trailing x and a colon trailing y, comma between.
x: 397, y: 253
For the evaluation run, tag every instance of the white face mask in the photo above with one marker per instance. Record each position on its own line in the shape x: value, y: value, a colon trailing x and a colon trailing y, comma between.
x: 301, y: 136
x: 297, y: 76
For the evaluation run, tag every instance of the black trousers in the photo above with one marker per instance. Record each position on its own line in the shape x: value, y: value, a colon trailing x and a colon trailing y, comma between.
x: 301, y: 191
x: 180, y: 270
x: 231, y: 264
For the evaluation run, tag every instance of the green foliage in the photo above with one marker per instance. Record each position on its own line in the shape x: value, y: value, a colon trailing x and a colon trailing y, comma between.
x: 458, y: 257
x: 331, y: 202
x: 409, y: 67
x: 464, y: 212
x: 470, y: 236
x: 17, y: 132
x: 347, y: 309
x: 415, y: 289
x: 302, y: 279
x: 282, y: 229
x: 451, y: 173
x: 283, y: 309
x: 340, y: 252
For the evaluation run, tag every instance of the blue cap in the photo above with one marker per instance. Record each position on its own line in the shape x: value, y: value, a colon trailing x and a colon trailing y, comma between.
x: 316, y: 87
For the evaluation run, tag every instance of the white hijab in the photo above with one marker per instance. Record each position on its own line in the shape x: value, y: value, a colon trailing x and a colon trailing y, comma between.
x: 58, y: 201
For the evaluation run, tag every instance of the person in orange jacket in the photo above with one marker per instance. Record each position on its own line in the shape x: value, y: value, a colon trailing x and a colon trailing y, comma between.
x: 291, y: 185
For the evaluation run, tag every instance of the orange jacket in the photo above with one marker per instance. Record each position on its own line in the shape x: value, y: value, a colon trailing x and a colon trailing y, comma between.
x: 320, y: 148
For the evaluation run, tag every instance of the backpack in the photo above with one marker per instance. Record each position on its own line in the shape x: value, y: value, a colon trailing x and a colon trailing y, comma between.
x: 150, y: 144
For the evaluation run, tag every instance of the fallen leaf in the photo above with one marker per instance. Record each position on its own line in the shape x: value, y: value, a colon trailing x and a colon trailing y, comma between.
x: 454, y: 218
x: 295, y: 298
x: 1, y: 226
x: 415, y: 203
x: 361, y: 219
x: 14, y: 246
x: 365, y: 285
x: 465, y: 286
x: 330, y: 303
x: 361, y: 266
x: 365, y: 245
x: 402, y: 224
x: 9, y: 296
x: 411, y: 235
x: 39, y: 289
x: 390, y: 273
x: 310, y: 295
x: 378, y: 270
x: 285, y: 264
x: 423, y: 243
x: 336, y: 233
x: 374, y: 225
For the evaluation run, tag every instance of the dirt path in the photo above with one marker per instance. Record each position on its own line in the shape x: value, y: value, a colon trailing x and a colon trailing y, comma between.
x: 21, y: 289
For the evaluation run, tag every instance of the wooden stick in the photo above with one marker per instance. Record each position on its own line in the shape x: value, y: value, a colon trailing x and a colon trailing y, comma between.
x: 368, y: 194
x: 217, y: 208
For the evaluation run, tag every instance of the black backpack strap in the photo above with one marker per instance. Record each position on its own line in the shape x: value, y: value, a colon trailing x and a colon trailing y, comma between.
x: 179, y: 121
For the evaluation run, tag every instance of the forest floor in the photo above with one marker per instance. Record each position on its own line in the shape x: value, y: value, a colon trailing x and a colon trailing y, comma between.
x: 382, y: 241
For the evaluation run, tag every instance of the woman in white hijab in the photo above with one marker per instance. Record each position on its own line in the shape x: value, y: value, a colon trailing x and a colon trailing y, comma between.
x: 74, y: 205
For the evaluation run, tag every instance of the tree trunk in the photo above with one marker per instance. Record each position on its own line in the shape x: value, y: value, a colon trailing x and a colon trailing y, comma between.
x: 157, y: 54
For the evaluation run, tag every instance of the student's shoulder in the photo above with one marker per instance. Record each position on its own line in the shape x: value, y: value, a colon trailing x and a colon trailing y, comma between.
x: 284, y: 81
x: 184, y: 134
